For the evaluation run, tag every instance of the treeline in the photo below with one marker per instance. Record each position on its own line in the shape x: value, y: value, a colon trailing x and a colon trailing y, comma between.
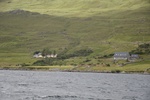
x: 79, y: 53
x: 61, y: 57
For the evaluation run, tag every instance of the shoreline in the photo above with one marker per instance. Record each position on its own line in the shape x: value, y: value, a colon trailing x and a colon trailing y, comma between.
x: 80, y: 71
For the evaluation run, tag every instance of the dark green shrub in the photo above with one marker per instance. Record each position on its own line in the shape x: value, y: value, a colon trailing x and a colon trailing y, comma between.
x: 39, y: 63
x: 107, y: 56
x: 87, y: 60
x: 145, y: 45
x: 46, y: 51
x: 36, y: 52
x: 24, y: 64
x: 108, y: 65
x: 115, y: 71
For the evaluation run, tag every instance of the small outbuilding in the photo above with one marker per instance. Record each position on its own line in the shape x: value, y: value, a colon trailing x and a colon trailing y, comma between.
x: 134, y: 56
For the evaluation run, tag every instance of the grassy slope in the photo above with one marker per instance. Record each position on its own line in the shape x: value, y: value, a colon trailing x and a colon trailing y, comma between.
x: 72, y: 8
x: 105, y: 26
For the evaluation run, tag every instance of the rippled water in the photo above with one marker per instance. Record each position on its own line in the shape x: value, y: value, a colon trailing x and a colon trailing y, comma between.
x: 38, y: 85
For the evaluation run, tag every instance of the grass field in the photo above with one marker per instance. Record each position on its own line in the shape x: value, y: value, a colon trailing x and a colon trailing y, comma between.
x: 138, y: 67
x: 80, y: 8
x: 105, y: 26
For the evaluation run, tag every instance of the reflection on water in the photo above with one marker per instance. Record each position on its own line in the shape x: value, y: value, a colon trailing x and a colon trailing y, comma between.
x: 38, y: 85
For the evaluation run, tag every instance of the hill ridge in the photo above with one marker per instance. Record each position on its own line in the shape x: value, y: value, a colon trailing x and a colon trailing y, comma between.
x: 80, y: 8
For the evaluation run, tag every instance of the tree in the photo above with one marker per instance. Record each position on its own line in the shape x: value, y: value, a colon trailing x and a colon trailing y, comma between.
x: 36, y: 52
x: 45, y: 52
x: 54, y: 52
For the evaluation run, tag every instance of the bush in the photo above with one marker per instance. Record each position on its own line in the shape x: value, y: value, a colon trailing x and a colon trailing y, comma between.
x: 115, y: 71
x: 46, y: 51
x: 108, y: 65
x: 39, y: 63
x: 36, y: 52
x: 24, y: 64
x: 107, y: 56
x: 145, y: 45
x: 87, y: 60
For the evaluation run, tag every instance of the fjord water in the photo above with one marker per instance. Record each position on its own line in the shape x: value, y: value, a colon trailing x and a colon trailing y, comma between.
x: 40, y: 85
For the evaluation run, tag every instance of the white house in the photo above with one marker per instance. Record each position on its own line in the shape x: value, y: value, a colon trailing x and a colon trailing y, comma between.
x: 38, y: 55
x: 51, y: 56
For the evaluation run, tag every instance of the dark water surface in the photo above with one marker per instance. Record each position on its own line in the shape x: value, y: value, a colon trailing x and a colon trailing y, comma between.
x: 40, y: 85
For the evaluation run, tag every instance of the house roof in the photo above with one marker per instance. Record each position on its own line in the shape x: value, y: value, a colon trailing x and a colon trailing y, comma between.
x: 121, y: 54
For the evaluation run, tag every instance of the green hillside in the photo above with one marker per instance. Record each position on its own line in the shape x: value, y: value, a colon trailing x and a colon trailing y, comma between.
x: 105, y: 26
x: 72, y: 7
